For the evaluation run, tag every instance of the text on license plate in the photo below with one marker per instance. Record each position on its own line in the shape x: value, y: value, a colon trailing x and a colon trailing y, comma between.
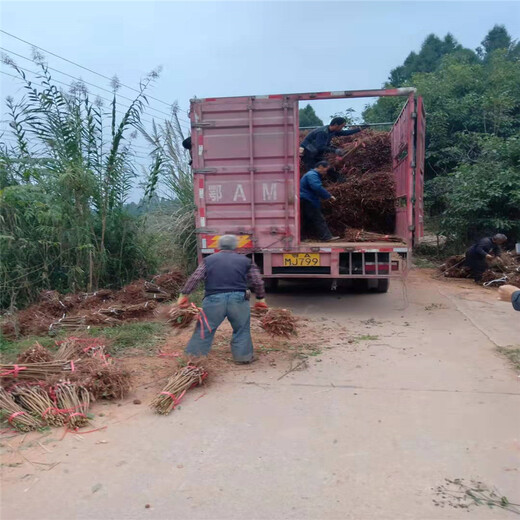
x: 301, y: 260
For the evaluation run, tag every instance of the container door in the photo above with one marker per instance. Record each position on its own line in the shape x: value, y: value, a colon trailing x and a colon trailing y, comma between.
x: 420, y: 144
x: 402, y: 137
x: 245, y: 157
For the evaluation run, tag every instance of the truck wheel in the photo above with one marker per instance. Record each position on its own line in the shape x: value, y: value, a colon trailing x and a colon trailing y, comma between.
x: 382, y: 285
x: 271, y: 284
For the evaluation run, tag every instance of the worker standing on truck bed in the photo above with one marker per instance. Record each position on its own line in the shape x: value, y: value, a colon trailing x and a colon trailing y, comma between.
x: 311, y: 191
x: 226, y: 275
x: 317, y: 142
x: 483, y: 251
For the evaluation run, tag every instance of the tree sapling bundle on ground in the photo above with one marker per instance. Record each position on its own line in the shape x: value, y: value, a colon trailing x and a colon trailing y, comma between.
x: 176, y: 387
x: 35, y: 354
x: 104, y: 379
x: 37, y: 402
x: 15, y: 415
x: 37, y: 371
x: 74, y: 401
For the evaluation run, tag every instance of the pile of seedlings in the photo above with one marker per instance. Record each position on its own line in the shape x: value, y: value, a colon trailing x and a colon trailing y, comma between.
x: 73, y: 312
x: 59, y: 391
x: 366, y: 191
x: 501, y: 272
x: 279, y: 322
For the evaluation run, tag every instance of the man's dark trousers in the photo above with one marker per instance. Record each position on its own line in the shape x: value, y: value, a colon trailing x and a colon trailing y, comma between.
x: 477, y: 264
x: 313, y: 221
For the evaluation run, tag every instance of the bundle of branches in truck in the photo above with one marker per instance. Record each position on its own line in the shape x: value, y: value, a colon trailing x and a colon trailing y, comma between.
x: 364, y: 187
x: 365, y: 191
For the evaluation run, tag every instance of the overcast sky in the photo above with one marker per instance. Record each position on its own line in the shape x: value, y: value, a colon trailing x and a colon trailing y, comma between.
x: 211, y: 49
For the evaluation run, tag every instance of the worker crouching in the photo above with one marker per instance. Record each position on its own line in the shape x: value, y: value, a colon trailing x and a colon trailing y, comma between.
x: 227, y: 275
x: 479, y: 254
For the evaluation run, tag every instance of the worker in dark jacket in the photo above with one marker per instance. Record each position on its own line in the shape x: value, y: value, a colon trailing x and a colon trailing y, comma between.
x: 227, y: 275
x: 317, y: 142
x: 186, y: 144
x: 510, y: 293
x: 311, y: 191
x: 483, y: 251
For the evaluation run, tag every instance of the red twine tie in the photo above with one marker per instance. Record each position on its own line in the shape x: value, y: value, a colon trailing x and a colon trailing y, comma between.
x: 176, y: 400
x: 200, y: 316
x: 13, y: 415
x: 14, y: 371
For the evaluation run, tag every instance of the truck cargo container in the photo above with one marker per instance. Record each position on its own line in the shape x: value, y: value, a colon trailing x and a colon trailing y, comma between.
x: 246, y: 171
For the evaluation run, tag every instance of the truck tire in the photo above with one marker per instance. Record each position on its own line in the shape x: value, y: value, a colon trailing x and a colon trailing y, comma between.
x: 382, y: 285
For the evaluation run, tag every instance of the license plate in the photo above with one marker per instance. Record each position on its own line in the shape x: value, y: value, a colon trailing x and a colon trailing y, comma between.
x: 301, y: 260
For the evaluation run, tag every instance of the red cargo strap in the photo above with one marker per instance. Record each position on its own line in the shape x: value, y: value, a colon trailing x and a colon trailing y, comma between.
x: 202, y: 318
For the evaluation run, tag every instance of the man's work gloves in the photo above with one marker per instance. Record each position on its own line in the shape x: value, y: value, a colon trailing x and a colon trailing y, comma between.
x: 183, y: 302
x: 260, y: 304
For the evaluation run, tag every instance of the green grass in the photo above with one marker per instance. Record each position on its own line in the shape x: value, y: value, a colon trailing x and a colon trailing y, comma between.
x: 9, y: 350
x: 366, y: 337
x: 143, y: 336
x: 423, y: 263
x: 513, y: 354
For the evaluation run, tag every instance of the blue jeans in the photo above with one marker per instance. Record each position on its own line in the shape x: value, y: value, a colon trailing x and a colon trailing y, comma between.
x: 217, y: 307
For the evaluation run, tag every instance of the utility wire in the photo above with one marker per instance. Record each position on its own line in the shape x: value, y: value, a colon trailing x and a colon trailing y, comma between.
x: 63, y: 83
x: 87, y: 82
x: 78, y: 65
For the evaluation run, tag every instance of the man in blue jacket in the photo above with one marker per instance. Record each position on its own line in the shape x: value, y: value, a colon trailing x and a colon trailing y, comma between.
x: 311, y: 191
x: 317, y: 142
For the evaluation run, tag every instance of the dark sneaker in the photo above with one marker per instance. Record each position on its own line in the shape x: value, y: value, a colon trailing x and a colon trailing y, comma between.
x: 246, y: 362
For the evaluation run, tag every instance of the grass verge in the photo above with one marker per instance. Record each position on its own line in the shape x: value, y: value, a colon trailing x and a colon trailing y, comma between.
x: 121, y: 339
x: 512, y: 354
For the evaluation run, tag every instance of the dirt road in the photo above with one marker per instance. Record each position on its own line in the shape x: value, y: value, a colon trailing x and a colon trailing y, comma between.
x: 413, y: 394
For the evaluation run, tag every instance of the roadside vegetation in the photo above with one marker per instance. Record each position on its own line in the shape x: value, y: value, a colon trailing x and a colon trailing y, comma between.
x: 512, y: 354
x: 124, y: 339
x: 472, y: 100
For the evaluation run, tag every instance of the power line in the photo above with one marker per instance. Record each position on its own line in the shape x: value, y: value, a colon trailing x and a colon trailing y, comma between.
x: 87, y: 82
x: 78, y: 65
x: 63, y: 83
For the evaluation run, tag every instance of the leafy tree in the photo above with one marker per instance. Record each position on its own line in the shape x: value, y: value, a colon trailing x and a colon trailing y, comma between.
x: 473, y: 107
x: 483, y: 197
x: 427, y: 59
x: 308, y: 117
x: 498, y: 38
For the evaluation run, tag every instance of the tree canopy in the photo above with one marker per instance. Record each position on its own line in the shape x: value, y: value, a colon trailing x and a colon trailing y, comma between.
x: 308, y: 117
x: 472, y: 100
